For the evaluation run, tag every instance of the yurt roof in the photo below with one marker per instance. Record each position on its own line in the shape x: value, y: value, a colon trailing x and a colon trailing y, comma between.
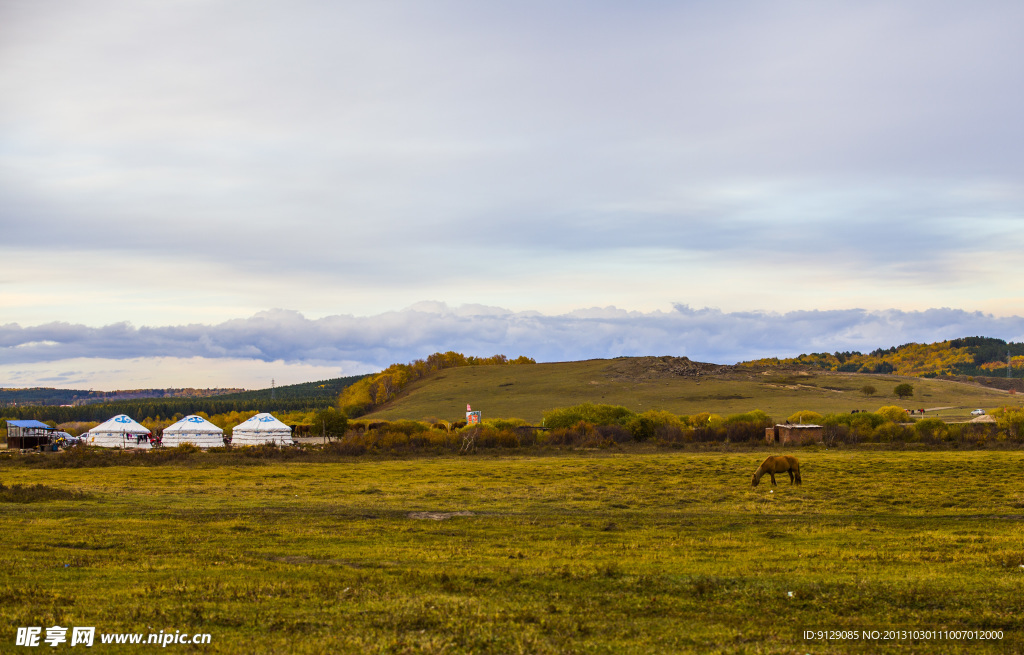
x: 121, y: 423
x: 193, y: 423
x: 262, y: 423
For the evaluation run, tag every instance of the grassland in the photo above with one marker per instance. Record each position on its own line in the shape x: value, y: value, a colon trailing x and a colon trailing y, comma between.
x: 526, y: 392
x: 612, y: 552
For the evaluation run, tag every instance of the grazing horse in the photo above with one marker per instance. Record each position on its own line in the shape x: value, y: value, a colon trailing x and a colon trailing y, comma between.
x: 777, y: 464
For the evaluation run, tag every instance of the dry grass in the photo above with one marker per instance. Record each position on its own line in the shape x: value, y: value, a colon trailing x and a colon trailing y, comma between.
x: 528, y: 391
x: 586, y: 553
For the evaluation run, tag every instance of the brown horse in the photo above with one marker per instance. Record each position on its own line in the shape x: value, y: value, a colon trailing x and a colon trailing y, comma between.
x: 777, y: 464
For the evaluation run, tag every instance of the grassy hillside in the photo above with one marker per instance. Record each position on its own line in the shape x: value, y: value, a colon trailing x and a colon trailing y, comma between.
x: 674, y: 385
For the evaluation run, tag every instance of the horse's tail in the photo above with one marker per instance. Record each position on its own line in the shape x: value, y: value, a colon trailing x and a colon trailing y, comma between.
x: 796, y: 473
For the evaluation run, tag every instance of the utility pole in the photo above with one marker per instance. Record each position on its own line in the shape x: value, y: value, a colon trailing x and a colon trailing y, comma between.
x: 271, y: 388
x: 1009, y: 364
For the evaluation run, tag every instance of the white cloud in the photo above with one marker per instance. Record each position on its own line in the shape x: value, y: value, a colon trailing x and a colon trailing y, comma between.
x: 166, y: 372
x: 354, y: 344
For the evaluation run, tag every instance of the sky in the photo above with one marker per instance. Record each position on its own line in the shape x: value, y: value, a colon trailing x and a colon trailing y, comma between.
x: 221, y: 193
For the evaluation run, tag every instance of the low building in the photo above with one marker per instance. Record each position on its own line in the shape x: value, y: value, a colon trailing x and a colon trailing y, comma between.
x: 28, y: 434
x: 794, y: 434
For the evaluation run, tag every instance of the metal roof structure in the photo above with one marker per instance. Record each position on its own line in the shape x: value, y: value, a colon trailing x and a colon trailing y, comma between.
x: 32, y: 423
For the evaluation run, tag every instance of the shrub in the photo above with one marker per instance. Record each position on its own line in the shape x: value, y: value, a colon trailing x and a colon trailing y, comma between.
x: 641, y: 427
x: 504, y: 423
x: 893, y: 413
x: 930, y: 429
x: 755, y: 416
x: 867, y: 420
x: 488, y: 437
x: 571, y: 436
x: 661, y: 417
x: 838, y: 433
x: 805, y: 416
x: 619, y: 434
x: 596, y: 414
x: 954, y: 432
x: 351, y: 446
x: 329, y: 422
x: 749, y: 426
x: 408, y: 428
x: 699, y: 420
x: 1010, y: 421
x: 673, y: 434
x: 862, y: 425
x: 889, y: 432
x: 710, y: 433
x: 851, y: 428
x: 646, y: 426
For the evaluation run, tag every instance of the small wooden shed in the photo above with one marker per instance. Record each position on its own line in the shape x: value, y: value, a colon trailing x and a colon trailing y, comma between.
x: 790, y: 433
x: 28, y: 434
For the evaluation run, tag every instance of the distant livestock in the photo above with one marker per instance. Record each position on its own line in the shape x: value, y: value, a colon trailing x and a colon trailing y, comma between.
x: 777, y: 464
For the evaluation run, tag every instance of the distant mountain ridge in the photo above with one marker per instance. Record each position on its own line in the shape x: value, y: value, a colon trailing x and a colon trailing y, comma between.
x: 306, y: 395
x: 75, y: 397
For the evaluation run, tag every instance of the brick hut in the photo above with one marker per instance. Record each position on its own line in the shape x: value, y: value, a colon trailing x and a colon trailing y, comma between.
x: 797, y: 435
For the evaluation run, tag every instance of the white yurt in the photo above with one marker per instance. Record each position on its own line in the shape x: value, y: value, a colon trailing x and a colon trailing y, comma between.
x: 261, y: 429
x: 119, y: 432
x: 195, y: 430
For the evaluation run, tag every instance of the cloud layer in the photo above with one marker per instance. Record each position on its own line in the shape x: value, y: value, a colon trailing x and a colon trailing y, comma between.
x: 368, y: 343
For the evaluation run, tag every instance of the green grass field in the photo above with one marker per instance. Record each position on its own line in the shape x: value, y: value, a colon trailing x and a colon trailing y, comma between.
x: 527, y: 392
x: 612, y: 552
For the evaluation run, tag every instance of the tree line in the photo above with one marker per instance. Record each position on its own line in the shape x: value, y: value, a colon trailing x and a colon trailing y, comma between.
x: 968, y: 356
x: 163, y: 409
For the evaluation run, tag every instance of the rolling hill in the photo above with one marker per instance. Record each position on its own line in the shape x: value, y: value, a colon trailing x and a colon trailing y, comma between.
x: 959, y: 374
x: 672, y: 384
